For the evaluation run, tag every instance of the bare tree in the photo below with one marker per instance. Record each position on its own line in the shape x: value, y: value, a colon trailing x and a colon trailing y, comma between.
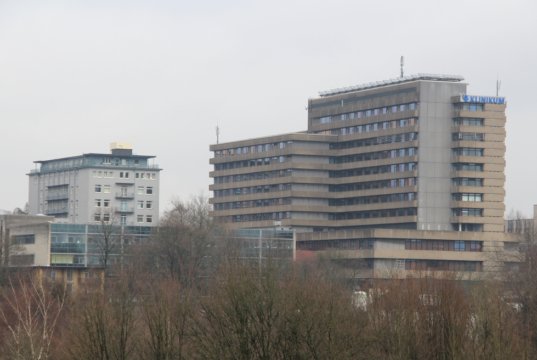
x: 167, y: 314
x: 30, y: 311
x: 107, y: 242
x: 183, y: 245
x: 105, y: 326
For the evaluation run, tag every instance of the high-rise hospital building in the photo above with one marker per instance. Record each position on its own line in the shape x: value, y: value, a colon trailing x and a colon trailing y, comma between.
x: 398, y: 175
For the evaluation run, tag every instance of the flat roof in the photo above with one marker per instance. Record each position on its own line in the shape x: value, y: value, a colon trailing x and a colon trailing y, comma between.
x: 400, y: 80
x: 95, y: 155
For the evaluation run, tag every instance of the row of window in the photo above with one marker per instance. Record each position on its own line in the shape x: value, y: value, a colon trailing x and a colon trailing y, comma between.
x: 379, y: 140
x: 410, y: 244
x: 467, y: 181
x: 468, y: 136
x: 375, y: 199
x: 443, y: 245
x: 469, y: 121
x: 260, y: 217
x: 252, y: 203
x: 443, y: 265
x: 467, y: 212
x: 371, y: 214
x: 140, y: 218
x: 24, y: 239
x: 365, y: 113
x: 466, y: 227
x: 105, y: 217
x: 379, y: 184
x: 335, y: 160
x: 376, y: 155
x: 468, y: 151
x: 141, y: 204
x: 124, y: 174
x: 141, y: 190
x: 467, y: 197
x: 21, y: 260
x: 259, y: 148
x: 252, y: 190
x: 102, y: 202
x: 467, y: 167
x: 347, y: 244
x: 470, y: 107
x: 253, y: 176
x: 381, y: 125
x: 251, y: 162
x: 393, y: 168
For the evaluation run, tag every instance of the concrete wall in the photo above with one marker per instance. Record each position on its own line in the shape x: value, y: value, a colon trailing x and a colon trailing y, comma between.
x: 434, y: 153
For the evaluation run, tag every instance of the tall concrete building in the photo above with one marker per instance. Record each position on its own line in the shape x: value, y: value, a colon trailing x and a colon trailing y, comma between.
x: 410, y: 170
x: 119, y: 188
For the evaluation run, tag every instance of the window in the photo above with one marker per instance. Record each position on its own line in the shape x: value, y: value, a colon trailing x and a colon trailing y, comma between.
x: 149, y: 190
x: 468, y: 197
x: 148, y: 204
x: 137, y: 175
x: 97, y: 202
x: 123, y: 219
x: 97, y: 217
x: 24, y: 239
x: 469, y: 121
x: 468, y: 151
x: 149, y: 218
x: 468, y: 136
x: 140, y: 204
x: 98, y: 188
x: 21, y: 260
x: 106, y: 217
x: 140, y: 218
x: 106, y: 189
x: 467, y: 212
x: 153, y: 176
x: 468, y: 181
x: 141, y: 190
x: 106, y: 203
x: 459, y: 246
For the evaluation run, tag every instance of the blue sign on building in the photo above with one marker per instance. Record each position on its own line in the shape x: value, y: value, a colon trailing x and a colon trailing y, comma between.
x: 483, y: 99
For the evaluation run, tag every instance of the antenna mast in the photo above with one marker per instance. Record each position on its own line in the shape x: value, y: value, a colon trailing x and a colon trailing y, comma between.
x: 498, y: 86
x: 217, y: 134
x: 402, y: 66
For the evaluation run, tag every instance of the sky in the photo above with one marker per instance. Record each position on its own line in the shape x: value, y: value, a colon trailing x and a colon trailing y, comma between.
x: 77, y: 75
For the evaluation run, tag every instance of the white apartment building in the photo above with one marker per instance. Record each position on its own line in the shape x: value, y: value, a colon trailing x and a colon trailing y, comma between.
x: 119, y: 188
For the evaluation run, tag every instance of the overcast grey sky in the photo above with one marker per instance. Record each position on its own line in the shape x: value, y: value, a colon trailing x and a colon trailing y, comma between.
x: 77, y: 75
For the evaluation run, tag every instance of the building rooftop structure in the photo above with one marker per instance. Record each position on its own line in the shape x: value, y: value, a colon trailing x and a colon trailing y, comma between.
x: 394, y: 81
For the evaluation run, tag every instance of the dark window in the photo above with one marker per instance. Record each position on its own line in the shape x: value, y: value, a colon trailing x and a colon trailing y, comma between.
x: 24, y: 239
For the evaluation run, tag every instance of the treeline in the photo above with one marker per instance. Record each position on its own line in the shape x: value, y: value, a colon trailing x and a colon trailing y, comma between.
x: 184, y: 296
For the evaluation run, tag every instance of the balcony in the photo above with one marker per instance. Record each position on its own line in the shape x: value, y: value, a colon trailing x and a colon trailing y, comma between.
x: 124, y: 195
x: 57, y: 197
x: 68, y: 248
x: 124, y: 210
x: 59, y: 211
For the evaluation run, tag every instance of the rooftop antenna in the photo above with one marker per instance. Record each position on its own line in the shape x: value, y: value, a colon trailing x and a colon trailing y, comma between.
x: 217, y: 134
x: 402, y: 66
x: 498, y: 86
